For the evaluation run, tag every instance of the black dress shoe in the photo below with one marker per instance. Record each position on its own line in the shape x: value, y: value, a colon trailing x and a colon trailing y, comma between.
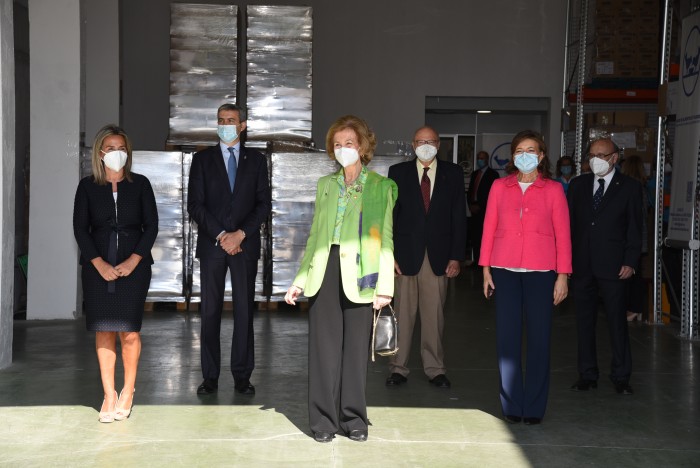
x: 441, y: 381
x: 358, y: 435
x: 512, y: 419
x: 532, y: 421
x: 323, y: 437
x: 623, y: 388
x: 245, y: 388
x: 207, y: 387
x: 583, y: 385
x: 395, y: 380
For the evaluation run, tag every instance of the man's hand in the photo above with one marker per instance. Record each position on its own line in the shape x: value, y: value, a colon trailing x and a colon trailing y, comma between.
x: 452, y: 269
x: 230, y: 242
x: 625, y: 272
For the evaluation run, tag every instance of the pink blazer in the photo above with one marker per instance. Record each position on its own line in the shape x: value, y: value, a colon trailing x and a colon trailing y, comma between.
x: 528, y: 230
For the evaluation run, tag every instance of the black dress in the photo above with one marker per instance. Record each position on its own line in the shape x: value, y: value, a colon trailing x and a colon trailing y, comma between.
x: 131, y: 226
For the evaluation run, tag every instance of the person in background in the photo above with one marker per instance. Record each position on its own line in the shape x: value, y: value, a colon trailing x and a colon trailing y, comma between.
x: 606, y: 228
x: 633, y: 167
x: 347, y: 270
x: 565, y: 171
x: 526, y: 259
x: 585, y: 165
x: 229, y: 198
x: 480, y: 183
x: 115, y: 222
x: 430, y: 233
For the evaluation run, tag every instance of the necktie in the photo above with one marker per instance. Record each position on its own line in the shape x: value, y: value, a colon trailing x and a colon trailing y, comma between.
x: 232, y: 168
x: 598, y: 195
x: 425, y: 188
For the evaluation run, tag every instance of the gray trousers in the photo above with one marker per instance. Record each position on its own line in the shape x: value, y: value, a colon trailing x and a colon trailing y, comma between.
x: 339, y: 335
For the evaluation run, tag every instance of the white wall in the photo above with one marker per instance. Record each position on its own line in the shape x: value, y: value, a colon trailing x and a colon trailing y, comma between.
x: 55, y: 96
x: 377, y: 59
x: 7, y: 181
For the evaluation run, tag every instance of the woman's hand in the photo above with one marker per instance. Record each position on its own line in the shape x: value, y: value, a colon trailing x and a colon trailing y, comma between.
x: 561, y: 288
x: 489, y: 288
x: 381, y: 301
x: 126, y: 267
x: 106, y: 271
x: 292, y: 295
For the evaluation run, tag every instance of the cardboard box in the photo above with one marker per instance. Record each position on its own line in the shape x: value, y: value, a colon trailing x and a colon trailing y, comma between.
x: 597, y: 119
x: 631, y: 118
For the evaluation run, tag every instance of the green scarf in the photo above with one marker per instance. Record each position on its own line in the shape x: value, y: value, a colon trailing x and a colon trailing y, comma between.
x: 374, y: 204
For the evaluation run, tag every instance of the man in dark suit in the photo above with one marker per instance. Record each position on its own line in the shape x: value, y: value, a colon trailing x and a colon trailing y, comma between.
x: 606, y: 233
x: 430, y: 228
x: 229, y: 198
x: 480, y: 184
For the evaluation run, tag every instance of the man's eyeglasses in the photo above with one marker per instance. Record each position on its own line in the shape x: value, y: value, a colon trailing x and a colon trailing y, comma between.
x: 600, y: 155
x: 425, y: 142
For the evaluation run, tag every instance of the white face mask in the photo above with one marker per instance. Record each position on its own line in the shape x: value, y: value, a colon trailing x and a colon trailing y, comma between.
x: 426, y: 152
x: 346, y: 156
x: 599, y: 167
x: 115, y: 160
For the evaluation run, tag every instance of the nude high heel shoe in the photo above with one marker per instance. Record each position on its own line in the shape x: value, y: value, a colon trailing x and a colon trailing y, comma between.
x: 107, y: 416
x: 124, y: 413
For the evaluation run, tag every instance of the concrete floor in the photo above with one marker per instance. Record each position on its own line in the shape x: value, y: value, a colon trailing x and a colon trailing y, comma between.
x: 50, y: 396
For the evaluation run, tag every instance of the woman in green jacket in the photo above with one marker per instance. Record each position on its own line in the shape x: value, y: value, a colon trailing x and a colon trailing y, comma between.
x: 347, y: 270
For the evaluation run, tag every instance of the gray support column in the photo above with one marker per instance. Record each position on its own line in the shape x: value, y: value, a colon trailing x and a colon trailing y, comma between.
x: 7, y: 180
x: 101, y: 65
x: 55, y: 87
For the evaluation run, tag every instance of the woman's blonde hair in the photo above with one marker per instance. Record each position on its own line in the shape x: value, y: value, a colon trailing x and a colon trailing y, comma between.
x: 98, y: 169
x: 366, y: 139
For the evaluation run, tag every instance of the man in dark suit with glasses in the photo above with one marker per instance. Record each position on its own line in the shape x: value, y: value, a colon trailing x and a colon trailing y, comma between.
x: 605, y: 208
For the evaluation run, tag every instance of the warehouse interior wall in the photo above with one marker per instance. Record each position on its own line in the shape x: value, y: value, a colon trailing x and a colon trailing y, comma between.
x: 105, y: 60
x: 7, y: 180
x: 378, y: 60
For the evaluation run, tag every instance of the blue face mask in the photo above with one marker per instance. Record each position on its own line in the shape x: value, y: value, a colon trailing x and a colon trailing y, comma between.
x: 227, y: 133
x: 480, y: 163
x: 566, y: 170
x: 526, y: 162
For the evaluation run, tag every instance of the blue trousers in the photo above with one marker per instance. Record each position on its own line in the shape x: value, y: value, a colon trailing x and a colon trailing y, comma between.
x: 523, y: 298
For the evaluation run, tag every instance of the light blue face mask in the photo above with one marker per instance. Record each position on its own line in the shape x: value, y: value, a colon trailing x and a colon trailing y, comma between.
x: 526, y: 162
x: 480, y: 163
x: 566, y: 170
x: 227, y: 133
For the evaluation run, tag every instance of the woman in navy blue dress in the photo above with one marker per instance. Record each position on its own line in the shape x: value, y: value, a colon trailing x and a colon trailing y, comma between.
x: 115, y: 222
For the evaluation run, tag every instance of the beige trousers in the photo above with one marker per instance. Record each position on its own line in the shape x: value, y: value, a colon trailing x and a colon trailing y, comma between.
x: 423, y: 294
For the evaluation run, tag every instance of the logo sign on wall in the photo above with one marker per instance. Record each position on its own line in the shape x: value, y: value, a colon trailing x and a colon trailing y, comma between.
x: 683, y: 208
x: 691, y: 61
x: 497, y: 145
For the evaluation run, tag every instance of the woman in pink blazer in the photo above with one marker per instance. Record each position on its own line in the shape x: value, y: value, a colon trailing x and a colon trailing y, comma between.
x: 526, y: 258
